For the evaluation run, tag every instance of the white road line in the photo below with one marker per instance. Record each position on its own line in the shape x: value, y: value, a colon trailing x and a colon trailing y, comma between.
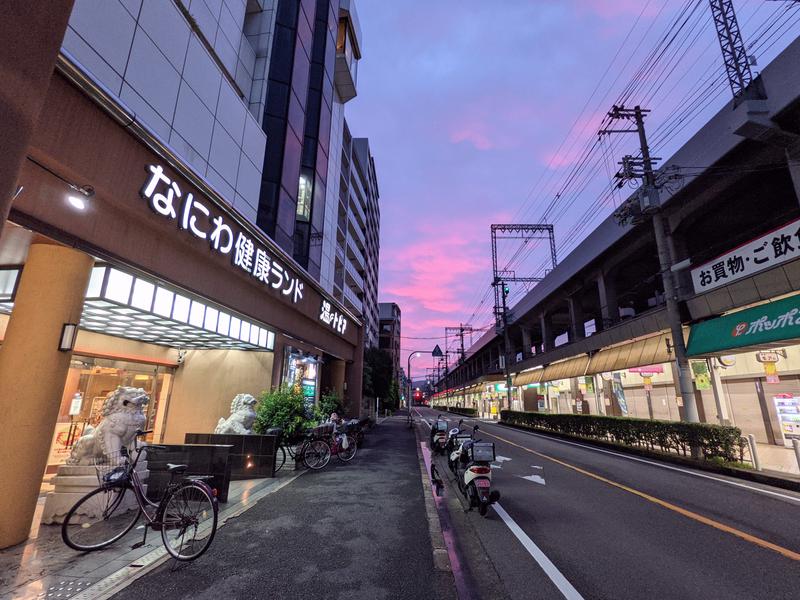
x: 663, y: 466
x: 564, y: 586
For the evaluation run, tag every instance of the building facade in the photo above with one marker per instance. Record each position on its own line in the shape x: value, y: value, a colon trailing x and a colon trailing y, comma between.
x: 139, y: 251
x: 356, y: 233
x: 389, y: 335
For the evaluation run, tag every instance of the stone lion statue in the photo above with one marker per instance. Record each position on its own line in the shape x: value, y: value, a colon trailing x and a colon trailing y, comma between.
x: 243, y: 415
x: 123, y: 415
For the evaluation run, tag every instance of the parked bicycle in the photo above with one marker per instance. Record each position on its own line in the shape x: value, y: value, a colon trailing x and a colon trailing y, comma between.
x: 343, y: 443
x: 186, y: 514
x: 314, y: 451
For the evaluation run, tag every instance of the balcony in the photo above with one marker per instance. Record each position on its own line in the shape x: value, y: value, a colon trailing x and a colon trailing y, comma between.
x: 354, y: 276
x: 347, y: 55
x: 358, y: 211
x: 357, y: 235
x: 352, y: 300
x: 355, y: 254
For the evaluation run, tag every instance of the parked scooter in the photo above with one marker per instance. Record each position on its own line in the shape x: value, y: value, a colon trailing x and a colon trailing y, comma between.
x: 473, y: 472
x: 455, y: 437
x: 439, y: 435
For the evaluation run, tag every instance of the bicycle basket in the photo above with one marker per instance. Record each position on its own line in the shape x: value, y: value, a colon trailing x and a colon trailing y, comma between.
x: 111, y: 470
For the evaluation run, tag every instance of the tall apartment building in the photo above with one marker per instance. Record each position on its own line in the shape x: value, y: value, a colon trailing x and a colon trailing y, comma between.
x: 389, y: 336
x: 352, y: 275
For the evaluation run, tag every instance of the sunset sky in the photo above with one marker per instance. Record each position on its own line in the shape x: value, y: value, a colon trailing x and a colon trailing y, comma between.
x: 476, y: 112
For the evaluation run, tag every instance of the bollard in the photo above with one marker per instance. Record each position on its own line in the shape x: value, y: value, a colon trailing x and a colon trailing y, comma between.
x: 751, y: 441
x: 796, y: 444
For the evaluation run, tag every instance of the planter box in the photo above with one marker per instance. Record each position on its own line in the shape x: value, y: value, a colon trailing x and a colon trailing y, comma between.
x: 203, y: 459
x: 251, y: 456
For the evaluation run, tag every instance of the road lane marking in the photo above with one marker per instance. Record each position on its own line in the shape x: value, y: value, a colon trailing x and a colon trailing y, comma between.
x: 663, y: 466
x: 564, y: 586
x: 534, y: 478
x: 663, y: 503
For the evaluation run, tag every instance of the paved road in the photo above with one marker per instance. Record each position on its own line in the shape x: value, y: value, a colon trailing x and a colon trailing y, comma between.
x: 356, y: 532
x: 616, y: 528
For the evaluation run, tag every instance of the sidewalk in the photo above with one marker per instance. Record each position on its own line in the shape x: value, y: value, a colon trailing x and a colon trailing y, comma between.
x: 44, y: 567
x: 351, y: 531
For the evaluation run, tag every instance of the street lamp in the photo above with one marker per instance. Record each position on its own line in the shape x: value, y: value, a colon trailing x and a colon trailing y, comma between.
x: 408, y: 397
x: 435, y: 353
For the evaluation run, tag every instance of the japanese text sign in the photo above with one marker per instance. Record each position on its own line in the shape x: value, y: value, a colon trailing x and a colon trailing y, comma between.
x: 199, y: 219
x: 771, y: 249
x: 336, y: 320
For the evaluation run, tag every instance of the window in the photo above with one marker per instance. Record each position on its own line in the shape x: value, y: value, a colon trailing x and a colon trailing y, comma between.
x: 304, y: 198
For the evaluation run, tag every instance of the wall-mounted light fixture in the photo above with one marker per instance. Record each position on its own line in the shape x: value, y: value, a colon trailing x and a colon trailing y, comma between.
x: 69, y: 332
x: 76, y: 202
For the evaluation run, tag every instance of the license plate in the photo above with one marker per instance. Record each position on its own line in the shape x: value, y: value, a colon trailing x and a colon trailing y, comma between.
x: 483, y: 483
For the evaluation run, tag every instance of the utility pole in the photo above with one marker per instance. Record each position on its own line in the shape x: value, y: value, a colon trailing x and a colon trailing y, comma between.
x: 734, y: 54
x: 648, y: 203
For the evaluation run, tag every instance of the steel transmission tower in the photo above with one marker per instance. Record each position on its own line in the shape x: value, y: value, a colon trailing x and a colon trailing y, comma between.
x: 734, y: 54
x: 501, y: 278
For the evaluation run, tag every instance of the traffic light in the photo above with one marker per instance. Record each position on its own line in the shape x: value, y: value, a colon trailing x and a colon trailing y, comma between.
x: 506, y: 289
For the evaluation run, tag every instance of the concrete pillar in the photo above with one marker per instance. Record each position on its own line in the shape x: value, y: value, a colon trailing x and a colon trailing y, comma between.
x: 32, y: 33
x: 576, y: 328
x: 278, y: 361
x: 32, y: 375
x: 723, y: 411
x: 336, y: 369
x: 609, y: 307
x: 526, y: 343
x: 548, y: 338
x: 354, y: 381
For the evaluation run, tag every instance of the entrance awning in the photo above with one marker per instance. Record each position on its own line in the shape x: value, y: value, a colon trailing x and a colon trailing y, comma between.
x: 647, y: 351
x: 528, y: 377
x: 573, y: 367
x: 125, y: 305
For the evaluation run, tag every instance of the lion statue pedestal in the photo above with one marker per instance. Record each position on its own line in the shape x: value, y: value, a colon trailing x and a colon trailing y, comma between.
x: 123, y: 415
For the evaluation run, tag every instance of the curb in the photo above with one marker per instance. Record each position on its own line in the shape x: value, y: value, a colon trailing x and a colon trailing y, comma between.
x: 754, y: 476
x: 441, y: 559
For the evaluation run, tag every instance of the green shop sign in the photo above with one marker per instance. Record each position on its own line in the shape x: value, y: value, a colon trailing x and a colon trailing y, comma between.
x: 768, y: 323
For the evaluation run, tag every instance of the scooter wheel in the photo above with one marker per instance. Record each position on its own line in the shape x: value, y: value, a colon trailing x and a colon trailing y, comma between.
x: 483, y: 508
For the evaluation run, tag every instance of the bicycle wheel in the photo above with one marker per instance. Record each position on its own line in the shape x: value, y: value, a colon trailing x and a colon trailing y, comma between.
x: 316, y: 454
x: 347, y: 454
x: 280, y: 458
x: 100, y: 518
x: 188, y: 521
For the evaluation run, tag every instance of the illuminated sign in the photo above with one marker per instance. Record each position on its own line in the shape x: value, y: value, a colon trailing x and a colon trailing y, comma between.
x: 336, y: 320
x: 167, y: 199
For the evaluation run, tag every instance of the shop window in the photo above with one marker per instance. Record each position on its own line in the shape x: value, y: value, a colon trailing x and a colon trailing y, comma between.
x: 89, y: 381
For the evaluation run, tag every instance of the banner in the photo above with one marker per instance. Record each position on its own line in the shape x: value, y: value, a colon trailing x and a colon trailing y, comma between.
x: 702, y: 378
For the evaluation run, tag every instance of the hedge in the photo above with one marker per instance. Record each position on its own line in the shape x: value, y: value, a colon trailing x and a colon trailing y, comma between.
x: 712, y: 441
x: 467, y: 412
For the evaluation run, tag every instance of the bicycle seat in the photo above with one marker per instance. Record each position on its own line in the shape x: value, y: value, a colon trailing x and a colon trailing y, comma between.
x: 274, y: 431
x: 172, y: 468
